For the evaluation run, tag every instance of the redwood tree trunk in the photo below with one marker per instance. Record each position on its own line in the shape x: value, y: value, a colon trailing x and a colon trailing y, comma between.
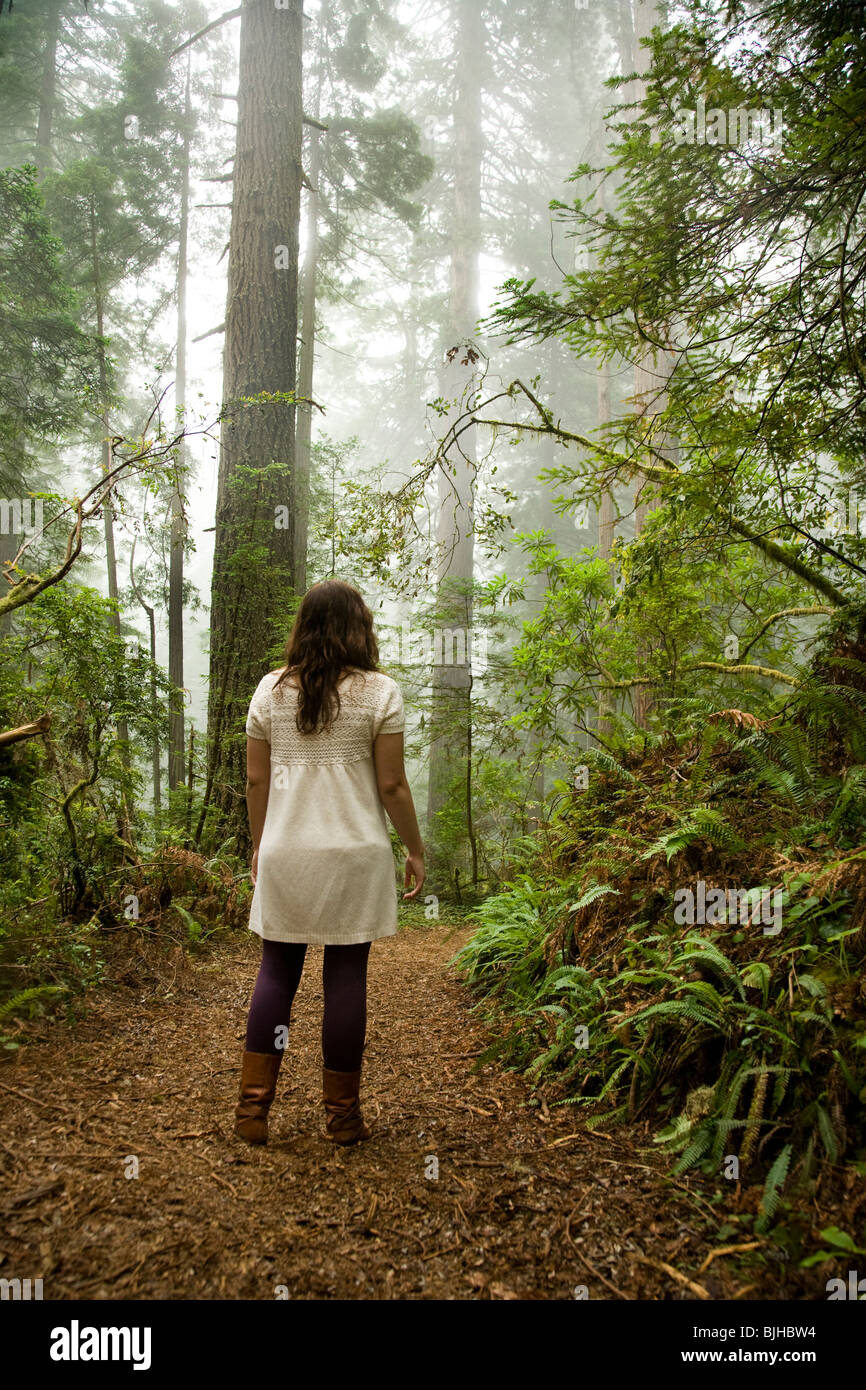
x: 252, y: 585
x: 450, y: 718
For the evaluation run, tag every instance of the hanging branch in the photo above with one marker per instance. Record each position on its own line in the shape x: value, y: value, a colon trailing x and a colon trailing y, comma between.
x: 25, y: 590
x: 662, y: 470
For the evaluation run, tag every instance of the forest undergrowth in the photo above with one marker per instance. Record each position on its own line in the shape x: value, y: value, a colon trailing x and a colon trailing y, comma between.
x: 726, y: 1029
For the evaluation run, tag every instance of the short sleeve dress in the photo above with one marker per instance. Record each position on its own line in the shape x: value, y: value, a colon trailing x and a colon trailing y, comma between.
x: 326, y: 871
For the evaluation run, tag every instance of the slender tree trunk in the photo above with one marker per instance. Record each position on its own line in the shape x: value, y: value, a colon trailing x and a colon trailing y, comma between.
x: 605, y: 505
x: 652, y: 370
x: 605, y: 514
x: 606, y: 527
x: 176, y: 734
x: 307, y: 352
x: 252, y: 584
x: 190, y: 780
x: 305, y: 366
x: 154, y: 693
x: 452, y: 679
x: 605, y: 510
x: 154, y: 710
x: 9, y: 543
x: 47, y: 90
x: 108, y: 508
x: 537, y: 586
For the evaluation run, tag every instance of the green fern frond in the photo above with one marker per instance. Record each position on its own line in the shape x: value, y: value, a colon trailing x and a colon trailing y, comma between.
x: 17, y: 1002
x: 772, y: 1194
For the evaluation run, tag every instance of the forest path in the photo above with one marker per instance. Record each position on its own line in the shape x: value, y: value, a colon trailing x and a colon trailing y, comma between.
x: 525, y: 1205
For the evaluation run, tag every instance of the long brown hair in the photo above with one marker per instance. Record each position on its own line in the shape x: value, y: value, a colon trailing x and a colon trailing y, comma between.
x: 332, y: 633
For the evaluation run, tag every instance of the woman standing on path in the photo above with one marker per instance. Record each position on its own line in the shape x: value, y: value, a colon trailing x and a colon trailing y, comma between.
x: 324, y: 763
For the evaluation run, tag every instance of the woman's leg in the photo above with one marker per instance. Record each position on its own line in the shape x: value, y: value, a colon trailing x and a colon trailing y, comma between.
x: 276, y: 985
x: 344, y: 1021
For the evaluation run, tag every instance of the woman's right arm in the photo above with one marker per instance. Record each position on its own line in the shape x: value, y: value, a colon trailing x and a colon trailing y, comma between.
x: 396, y: 796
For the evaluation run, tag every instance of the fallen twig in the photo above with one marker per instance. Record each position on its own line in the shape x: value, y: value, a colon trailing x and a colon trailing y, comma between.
x: 728, y: 1250
x: 675, y: 1274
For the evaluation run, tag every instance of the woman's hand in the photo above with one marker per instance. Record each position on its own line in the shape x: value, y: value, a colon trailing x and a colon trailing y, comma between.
x: 414, y: 870
x: 254, y: 867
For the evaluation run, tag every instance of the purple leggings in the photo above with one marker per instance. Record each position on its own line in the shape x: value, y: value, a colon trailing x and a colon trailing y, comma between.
x: 344, y: 1021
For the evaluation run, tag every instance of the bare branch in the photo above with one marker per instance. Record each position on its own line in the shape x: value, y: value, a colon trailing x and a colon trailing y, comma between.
x: 214, y: 24
x: 220, y: 328
x: 37, y: 726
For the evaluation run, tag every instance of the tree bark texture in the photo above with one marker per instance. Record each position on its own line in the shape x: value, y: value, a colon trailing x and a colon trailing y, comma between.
x: 252, y: 587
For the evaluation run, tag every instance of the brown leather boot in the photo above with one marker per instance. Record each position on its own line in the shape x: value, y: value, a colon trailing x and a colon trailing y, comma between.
x: 259, y: 1074
x: 343, y: 1121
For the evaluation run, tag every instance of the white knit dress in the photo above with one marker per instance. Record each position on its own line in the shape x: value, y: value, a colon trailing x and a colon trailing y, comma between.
x: 326, y: 871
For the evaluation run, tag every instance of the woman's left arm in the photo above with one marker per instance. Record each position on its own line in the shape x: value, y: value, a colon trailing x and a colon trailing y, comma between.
x: 258, y: 790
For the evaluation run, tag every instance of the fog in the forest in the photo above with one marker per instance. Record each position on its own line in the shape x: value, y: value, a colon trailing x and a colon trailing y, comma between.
x: 382, y: 312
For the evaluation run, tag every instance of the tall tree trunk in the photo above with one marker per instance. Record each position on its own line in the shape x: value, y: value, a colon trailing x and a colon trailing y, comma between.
x: 452, y: 680
x: 176, y: 734
x: 154, y: 710
x: 605, y: 524
x: 108, y: 506
x: 306, y: 359
x: 47, y: 90
x: 652, y: 370
x: 9, y: 543
x: 307, y: 350
x: 253, y: 551
x: 606, y: 527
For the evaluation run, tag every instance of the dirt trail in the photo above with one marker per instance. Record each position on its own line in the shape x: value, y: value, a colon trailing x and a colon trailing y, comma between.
x: 524, y: 1205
